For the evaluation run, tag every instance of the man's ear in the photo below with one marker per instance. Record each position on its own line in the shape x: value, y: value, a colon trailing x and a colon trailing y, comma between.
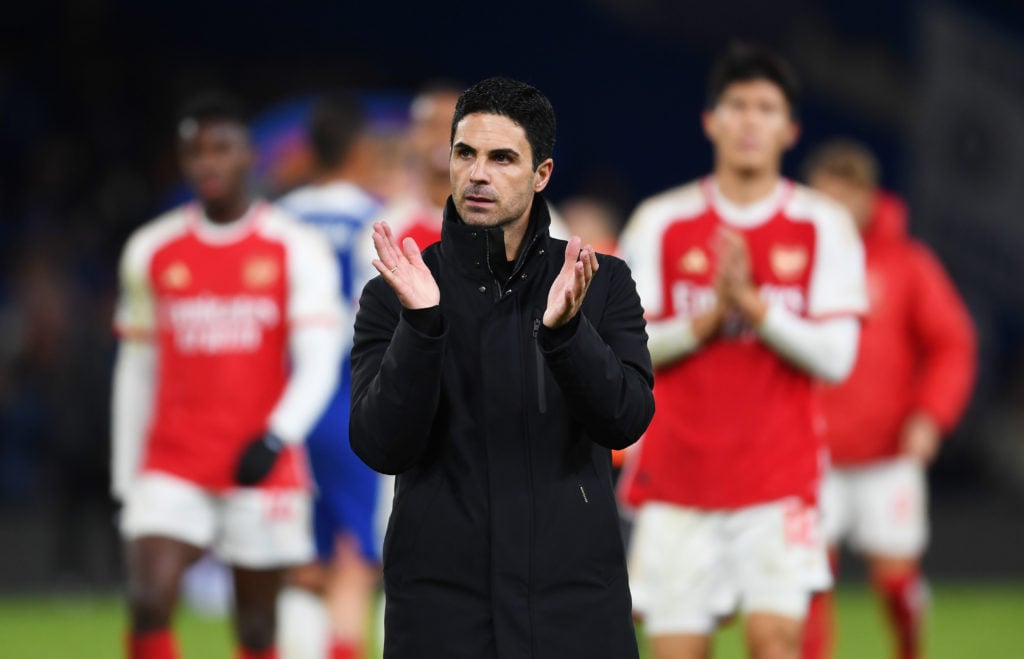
x: 542, y: 175
x: 792, y: 135
x: 707, y: 118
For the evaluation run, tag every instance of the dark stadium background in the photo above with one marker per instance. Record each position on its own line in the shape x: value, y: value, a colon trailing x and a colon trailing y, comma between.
x: 88, y: 89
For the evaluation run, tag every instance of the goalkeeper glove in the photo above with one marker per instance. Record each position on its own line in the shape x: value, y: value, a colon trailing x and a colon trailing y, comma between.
x: 258, y: 459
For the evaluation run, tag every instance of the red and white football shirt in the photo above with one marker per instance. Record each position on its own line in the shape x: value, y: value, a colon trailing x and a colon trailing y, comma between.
x: 735, y: 423
x: 219, y: 303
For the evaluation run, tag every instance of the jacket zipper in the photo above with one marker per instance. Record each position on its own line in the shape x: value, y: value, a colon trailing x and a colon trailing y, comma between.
x: 583, y: 492
x: 542, y: 398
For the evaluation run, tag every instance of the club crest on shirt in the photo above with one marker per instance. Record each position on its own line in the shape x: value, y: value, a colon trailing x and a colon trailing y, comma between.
x: 176, y: 276
x: 789, y: 261
x: 260, y: 272
x: 694, y: 262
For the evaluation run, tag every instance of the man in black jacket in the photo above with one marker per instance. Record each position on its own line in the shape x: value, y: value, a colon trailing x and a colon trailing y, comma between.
x: 493, y: 373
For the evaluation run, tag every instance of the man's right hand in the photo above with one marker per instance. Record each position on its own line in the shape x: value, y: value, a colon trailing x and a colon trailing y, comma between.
x: 404, y: 270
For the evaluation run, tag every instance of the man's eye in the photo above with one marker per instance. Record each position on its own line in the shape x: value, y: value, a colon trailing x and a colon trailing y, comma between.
x: 464, y: 153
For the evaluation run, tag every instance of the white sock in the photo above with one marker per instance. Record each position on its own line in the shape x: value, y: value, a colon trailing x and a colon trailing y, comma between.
x: 302, y: 626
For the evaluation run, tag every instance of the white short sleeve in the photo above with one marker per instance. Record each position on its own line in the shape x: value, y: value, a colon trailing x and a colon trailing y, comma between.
x: 838, y: 286
x: 135, y: 314
x: 314, y: 292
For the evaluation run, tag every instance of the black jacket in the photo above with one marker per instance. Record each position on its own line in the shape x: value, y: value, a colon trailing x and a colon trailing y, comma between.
x: 503, y: 539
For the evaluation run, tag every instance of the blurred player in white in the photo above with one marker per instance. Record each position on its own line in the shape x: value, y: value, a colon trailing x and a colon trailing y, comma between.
x: 345, y: 508
x: 230, y: 327
x: 753, y: 287
x: 910, y: 385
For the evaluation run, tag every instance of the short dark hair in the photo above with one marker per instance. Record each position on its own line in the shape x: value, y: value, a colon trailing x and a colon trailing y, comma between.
x: 335, y: 120
x: 846, y: 159
x: 523, y: 104
x: 213, y: 106
x: 743, y: 62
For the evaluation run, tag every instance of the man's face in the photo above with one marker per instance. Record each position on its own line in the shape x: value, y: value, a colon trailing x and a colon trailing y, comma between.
x: 751, y: 126
x: 857, y: 198
x: 216, y: 157
x: 491, y: 168
x: 432, y: 128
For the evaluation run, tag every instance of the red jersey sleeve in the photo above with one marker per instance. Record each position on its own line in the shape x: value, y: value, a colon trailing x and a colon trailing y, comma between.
x: 946, y: 340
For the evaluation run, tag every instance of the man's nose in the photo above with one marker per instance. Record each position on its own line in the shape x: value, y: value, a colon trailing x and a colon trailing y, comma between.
x: 479, y: 172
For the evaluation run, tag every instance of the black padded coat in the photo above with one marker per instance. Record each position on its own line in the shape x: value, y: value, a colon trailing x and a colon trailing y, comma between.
x: 503, y: 539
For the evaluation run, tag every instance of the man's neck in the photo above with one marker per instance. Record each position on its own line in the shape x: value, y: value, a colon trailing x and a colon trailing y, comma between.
x: 746, y: 187
x: 229, y: 211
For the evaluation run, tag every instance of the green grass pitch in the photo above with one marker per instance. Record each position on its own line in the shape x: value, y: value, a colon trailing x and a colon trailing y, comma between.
x: 966, y: 621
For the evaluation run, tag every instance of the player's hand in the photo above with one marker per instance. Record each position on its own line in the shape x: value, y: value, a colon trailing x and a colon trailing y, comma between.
x: 734, y: 279
x: 921, y: 437
x: 733, y: 260
x: 570, y: 286
x: 258, y: 459
x: 404, y: 270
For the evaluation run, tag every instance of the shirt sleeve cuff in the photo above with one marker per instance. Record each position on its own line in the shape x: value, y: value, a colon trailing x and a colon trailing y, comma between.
x: 553, y: 338
x: 426, y: 321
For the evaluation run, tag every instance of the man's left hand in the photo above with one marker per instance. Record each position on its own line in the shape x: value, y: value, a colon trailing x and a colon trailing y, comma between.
x: 921, y: 437
x: 570, y: 286
x: 258, y: 459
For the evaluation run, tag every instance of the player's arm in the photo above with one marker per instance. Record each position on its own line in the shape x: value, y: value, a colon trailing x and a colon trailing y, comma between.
x: 947, y: 346
x: 824, y: 343
x: 605, y: 373
x: 318, y: 333
x: 827, y: 349
x: 675, y: 338
x: 672, y: 338
x: 134, y: 370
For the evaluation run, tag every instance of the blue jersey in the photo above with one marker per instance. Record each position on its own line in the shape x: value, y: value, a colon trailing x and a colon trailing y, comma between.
x: 347, y: 489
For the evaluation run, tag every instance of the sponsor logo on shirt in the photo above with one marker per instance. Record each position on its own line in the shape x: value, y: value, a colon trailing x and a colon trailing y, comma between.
x: 789, y: 262
x: 212, y: 324
x: 792, y: 298
x: 689, y: 300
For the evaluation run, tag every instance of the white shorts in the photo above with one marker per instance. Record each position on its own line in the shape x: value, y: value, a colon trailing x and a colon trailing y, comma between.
x: 688, y: 568
x: 247, y: 527
x: 881, y: 508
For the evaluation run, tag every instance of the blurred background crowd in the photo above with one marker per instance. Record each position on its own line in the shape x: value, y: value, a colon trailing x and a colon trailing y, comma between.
x: 89, y: 90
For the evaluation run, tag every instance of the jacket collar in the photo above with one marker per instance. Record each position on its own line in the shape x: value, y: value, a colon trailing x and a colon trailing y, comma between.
x: 475, y: 249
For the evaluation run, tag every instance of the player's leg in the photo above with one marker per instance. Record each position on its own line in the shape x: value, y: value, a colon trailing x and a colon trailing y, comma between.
x: 303, y: 626
x: 155, y: 566
x: 304, y: 622
x: 351, y: 494
x: 680, y: 646
x: 166, y: 523
x: 255, y: 617
x: 892, y: 533
x: 773, y: 636
x: 264, y: 532
x: 352, y: 581
x: 780, y: 558
x: 902, y: 588
x: 819, y: 626
x: 834, y: 504
x: 675, y: 576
